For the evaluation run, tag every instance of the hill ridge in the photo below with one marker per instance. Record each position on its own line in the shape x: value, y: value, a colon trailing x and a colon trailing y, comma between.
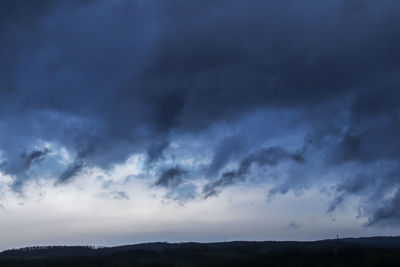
x: 80, y: 250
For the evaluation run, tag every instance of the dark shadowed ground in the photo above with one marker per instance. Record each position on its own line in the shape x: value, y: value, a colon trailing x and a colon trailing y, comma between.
x: 374, y: 251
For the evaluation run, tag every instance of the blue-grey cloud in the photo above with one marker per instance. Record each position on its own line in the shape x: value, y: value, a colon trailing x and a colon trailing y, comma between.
x: 73, y: 170
x: 119, y: 195
x: 171, y: 177
x: 108, y: 79
x: 20, y: 165
x: 270, y: 156
x: 229, y: 147
x: 387, y: 212
x: 292, y: 226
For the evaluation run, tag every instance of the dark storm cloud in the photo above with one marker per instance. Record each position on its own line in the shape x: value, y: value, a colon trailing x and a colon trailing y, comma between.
x: 171, y: 177
x: 18, y: 167
x: 108, y: 79
x: 387, y: 213
x: 155, y: 151
x: 373, y: 128
x: 72, y: 171
x: 370, y: 141
x: 25, y: 161
x: 352, y: 185
x: 373, y: 183
x: 228, y: 148
x: 270, y: 156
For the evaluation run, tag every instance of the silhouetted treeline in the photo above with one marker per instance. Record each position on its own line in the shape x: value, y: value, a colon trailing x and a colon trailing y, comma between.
x: 48, y: 251
x: 345, y: 252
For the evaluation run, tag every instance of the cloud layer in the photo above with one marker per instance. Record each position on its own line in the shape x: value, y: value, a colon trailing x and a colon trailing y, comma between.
x: 299, y: 94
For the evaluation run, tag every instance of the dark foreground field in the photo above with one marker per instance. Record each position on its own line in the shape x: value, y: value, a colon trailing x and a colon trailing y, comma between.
x: 375, y: 251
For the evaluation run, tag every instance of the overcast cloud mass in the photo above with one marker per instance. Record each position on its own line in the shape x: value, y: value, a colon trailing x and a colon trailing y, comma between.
x: 197, y: 102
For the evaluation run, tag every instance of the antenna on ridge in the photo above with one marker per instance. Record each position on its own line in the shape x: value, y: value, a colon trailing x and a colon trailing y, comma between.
x: 226, y: 238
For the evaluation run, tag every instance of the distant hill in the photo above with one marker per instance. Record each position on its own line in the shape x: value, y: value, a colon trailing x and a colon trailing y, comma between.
x: 367, y: 251
x: 72, y: 251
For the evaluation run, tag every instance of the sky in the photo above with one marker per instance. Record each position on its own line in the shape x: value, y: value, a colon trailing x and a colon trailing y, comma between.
x: 131, y: 121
